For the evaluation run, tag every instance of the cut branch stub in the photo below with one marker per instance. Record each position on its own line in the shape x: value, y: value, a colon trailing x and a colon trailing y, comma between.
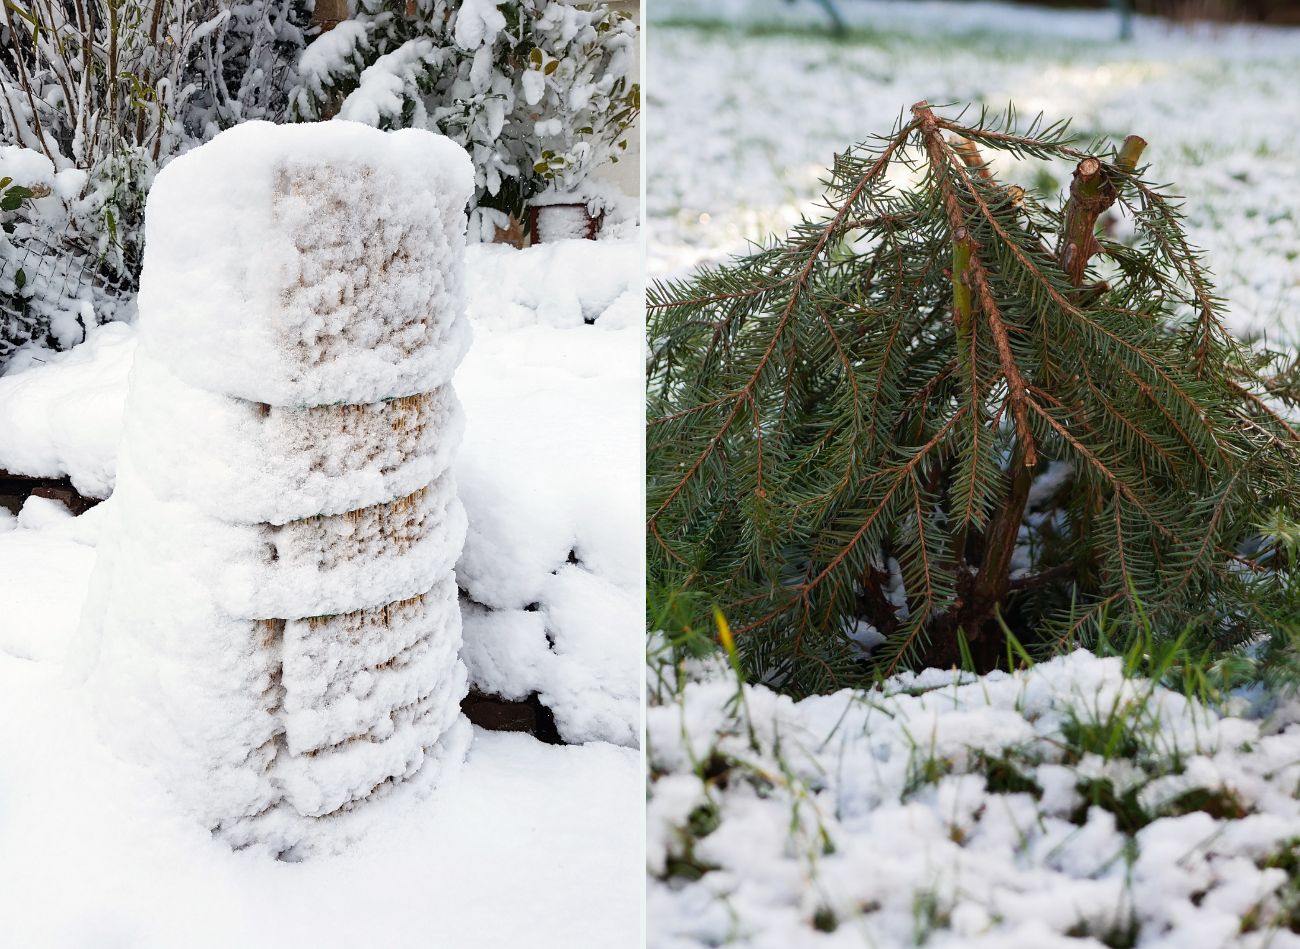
x: 1130, y: 153
x: 1091, y: 194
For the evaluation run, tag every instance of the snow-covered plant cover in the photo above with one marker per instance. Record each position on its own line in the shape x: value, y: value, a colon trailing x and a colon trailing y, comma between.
x: 540, y: 92
x: 274, y: 622
x: 945, y: 408
x: 101, y: 94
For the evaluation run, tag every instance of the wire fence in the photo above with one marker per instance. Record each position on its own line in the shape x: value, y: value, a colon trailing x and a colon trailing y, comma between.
x: 52, y: 285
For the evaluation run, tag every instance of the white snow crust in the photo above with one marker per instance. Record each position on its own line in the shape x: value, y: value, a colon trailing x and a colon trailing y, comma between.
x: 62, y: 415
x: 552, y: 576
x: 355, y: 301
x: 528, y: 845
x: 253, y: 463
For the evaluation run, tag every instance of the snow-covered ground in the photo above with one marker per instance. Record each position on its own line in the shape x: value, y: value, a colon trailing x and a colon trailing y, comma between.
x: 530, y: 844
x: 748, y: 101
x: 1065, y: 806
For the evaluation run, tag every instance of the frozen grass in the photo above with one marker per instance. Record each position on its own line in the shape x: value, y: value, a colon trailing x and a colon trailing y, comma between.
x: 749, y: 102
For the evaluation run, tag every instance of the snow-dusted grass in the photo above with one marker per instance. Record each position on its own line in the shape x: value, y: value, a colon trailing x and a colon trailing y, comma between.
x: 1068, y: 805
x: 749, y: 101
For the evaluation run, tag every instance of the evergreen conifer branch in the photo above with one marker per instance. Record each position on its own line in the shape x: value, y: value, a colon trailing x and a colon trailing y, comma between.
x: 947, y: 408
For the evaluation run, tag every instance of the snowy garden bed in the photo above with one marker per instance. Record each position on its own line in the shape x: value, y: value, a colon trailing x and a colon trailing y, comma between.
x: 1215, y: 103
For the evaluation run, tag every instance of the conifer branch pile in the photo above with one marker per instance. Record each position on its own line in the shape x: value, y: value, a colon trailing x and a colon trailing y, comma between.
x: 945, y: 410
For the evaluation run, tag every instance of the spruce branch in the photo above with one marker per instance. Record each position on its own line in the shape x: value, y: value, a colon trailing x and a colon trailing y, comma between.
x: 946, y: 409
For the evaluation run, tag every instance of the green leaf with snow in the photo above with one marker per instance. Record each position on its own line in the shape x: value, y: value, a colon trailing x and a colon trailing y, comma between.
x: 14, y: 197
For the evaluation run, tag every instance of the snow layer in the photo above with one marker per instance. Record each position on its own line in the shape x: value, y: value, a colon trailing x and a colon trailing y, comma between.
x: 478, y: 22
x: 249, y: 462
x: 381, y: 87
x: 63, y: 414
x: 953, y: 811
x: 552, y: 561
x: 529, y: 845
x: 308, y: 567
x: 561, y: 285
x: 557, y: 336
x: 43, y: 552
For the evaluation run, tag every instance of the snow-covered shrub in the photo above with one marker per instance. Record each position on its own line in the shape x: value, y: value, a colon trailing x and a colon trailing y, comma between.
x: 112, y: 90
x: 540, y: 92
x: 275, y: 625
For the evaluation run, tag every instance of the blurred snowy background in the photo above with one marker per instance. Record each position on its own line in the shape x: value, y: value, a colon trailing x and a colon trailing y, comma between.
x: 749, y: 101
